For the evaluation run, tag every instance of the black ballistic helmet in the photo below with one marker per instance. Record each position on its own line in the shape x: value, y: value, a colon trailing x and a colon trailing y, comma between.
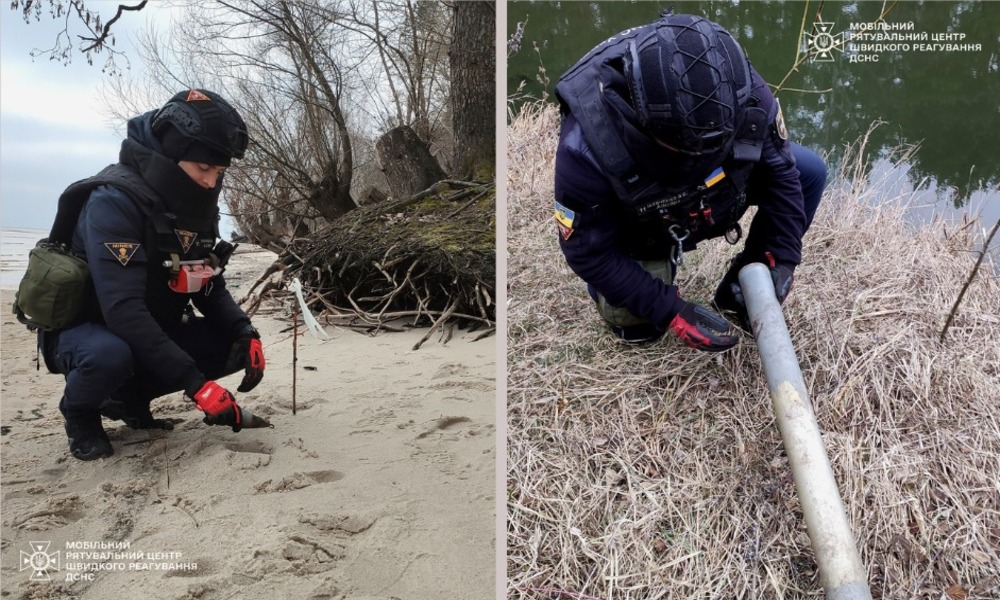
x: 199, y: 125
x: 689, y: 83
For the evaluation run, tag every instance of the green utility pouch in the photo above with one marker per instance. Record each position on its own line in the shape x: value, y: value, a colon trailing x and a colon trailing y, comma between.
x: 54, y: 290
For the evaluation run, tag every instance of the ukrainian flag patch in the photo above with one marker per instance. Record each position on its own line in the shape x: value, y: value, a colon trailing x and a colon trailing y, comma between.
x: 565, y: 219
x: 715, y: 177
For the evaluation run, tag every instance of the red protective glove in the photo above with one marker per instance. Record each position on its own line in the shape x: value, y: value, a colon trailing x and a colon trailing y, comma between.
x: 219, y: 406
x: 247, y: 352
x: 703, y: 329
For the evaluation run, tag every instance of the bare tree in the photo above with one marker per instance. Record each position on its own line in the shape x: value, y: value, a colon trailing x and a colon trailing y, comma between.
x: 279, y: 62
x: 318, y: 84
x: 412, y: 40
x: 99, y: 37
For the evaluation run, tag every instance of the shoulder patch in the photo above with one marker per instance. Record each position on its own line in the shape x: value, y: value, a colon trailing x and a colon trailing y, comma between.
x: 565, y: 220
x: 779, y: 122
x: 122, y: 251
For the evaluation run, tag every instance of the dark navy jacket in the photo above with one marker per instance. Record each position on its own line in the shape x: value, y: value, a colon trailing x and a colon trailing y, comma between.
x: 597, y: 248
x: 134, y: 300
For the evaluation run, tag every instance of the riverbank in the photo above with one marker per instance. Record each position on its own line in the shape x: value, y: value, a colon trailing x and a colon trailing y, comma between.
x: 658, y: 472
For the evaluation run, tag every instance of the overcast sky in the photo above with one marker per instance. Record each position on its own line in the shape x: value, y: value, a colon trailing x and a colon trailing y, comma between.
x: 52, y: 131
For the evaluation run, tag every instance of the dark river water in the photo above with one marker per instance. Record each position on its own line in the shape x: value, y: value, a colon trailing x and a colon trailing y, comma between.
x: 928, y: 71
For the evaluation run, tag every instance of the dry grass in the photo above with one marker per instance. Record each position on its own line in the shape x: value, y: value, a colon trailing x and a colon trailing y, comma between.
x: 658, y: 472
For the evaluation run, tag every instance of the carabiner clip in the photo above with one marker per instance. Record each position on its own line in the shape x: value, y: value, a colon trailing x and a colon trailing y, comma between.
x: 734, y: 233
x: 677, y: 251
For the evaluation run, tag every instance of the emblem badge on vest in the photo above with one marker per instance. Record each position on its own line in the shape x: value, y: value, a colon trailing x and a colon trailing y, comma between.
x: 186, y: 238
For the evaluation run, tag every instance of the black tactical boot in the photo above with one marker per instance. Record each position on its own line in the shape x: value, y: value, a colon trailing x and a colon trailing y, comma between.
x: 135, y: 414
x: 87, y: 439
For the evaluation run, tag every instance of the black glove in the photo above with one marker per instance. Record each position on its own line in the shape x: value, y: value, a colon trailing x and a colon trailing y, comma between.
x: 729, y: 295
x: 782, y: 276
x: 728, y: 298
x: 247, y: 352
x: 703, y: 329
x: 219, y: 406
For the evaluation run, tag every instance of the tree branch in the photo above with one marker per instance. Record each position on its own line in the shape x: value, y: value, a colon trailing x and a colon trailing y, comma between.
x: 106, y: 30
x: 972, y: 275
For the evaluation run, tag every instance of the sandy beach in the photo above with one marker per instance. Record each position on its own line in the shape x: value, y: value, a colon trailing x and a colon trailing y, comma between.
x: 380, y: 486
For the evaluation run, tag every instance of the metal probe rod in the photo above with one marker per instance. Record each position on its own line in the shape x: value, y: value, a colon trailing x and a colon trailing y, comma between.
x: 841, y: 573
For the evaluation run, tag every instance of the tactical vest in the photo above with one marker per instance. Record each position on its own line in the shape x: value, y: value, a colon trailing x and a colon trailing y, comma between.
x: 653, y: 206
x: 170, y: 240
x: 169, y: 237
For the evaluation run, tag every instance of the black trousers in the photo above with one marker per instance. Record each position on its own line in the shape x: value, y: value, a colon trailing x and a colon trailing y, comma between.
x: 99, y: 366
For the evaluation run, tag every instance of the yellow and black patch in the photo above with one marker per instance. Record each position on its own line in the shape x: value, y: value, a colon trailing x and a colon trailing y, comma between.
x: 565, y: 220
x: 186, y: 238
x: 715, y: 177
x: 779, y: 122
x: 122, y: 251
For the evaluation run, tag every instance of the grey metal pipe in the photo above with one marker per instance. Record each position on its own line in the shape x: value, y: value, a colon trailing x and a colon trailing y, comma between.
x: 841, y: 573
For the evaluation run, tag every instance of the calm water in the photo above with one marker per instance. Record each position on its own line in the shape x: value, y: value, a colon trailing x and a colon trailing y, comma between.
x: 946, y: 100
x: 14, y: 247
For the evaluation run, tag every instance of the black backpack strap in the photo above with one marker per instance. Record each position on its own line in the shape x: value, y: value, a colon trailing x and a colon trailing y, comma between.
x: 71, y: 201
x: 70, y: 205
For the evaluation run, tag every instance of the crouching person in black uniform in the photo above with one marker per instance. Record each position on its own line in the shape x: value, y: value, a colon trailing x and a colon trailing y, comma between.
x: 668, y: 135
x: 147, y: 227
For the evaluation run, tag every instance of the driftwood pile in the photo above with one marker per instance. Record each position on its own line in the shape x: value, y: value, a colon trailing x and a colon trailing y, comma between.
x: 428, y: 260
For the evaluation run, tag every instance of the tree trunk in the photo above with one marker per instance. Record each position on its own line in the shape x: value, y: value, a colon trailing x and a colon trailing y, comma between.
x: 406, y: 162
x: 332, y: 196
x: 473, y: 89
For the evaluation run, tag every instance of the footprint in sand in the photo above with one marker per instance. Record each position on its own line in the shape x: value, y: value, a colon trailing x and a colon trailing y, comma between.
x: 249, y: 446
x: 324, y: 476
x: 316, y: 545
x: 306, y: 555
x: 457, y: 375
x: 248, y: 454
x: 346, y: 525
x: 374, y: 420
x: 446, y: 424
x: 297, y: 481
x: 300, y: 445
x: 58, y: 512
x: 433, y: 443
x: 36, y: 414
x: 450, y: 370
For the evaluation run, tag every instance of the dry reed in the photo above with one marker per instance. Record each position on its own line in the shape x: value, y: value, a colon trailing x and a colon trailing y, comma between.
x: 658, y: 472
